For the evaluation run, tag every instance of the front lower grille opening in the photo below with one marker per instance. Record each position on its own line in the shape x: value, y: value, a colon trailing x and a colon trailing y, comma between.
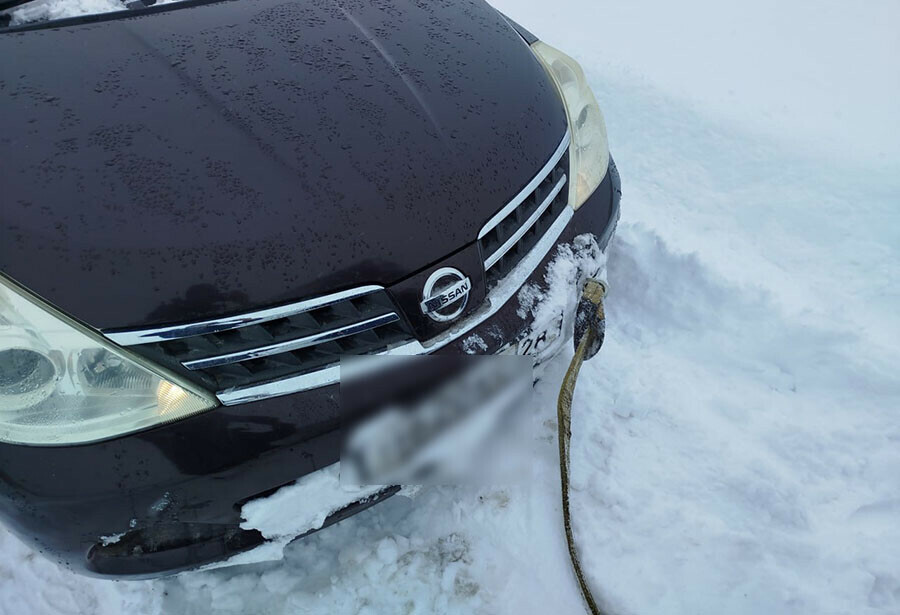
x: 290, y: 345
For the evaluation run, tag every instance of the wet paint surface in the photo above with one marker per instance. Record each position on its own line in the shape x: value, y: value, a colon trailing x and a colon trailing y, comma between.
x: 208, y: 160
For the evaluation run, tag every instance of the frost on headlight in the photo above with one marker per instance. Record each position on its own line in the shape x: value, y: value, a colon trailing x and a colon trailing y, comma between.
x: 589, y: 152
x: 62, y: 383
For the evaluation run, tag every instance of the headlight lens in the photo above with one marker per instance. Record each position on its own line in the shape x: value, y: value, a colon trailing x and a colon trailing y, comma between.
x: 62, y: 383
x: 589, y: 152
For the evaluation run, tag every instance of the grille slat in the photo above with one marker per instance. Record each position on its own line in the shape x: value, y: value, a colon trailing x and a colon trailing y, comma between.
x: 525, y: 227
x: 286, y: 346
x: 510, y: 235
x: 295, y: 340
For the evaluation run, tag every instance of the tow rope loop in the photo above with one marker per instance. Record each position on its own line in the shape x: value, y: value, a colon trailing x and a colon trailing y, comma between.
x: 590, y: 330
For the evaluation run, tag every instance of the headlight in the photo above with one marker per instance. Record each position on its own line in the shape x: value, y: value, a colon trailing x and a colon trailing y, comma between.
x: 589, y: 152
x: 62, y: 383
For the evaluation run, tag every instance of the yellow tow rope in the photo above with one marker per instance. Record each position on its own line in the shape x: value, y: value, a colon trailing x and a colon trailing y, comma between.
x: 590, y: 327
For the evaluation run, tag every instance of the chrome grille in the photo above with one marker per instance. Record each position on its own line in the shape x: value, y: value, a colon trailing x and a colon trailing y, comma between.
x: 517, y: 228
x: 274, y: 344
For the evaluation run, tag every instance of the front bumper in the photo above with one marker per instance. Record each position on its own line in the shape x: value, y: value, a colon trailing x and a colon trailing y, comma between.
x: 170, y: 499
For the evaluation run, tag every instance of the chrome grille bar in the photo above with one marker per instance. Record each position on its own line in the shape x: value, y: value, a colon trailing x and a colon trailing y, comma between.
x: 501, y: 215
x: 174, y: 332
x: 492, y: 260
x: 296, y: 344
x: 304, y: 382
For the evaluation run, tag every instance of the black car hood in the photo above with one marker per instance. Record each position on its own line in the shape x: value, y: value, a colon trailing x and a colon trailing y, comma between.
x: 220, y: 157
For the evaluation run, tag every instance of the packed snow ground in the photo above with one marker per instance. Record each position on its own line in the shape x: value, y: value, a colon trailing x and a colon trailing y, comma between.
x: 737, y: 442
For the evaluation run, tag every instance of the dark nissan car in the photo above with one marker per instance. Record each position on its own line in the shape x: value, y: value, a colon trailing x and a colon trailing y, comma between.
x: 205, y: 204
